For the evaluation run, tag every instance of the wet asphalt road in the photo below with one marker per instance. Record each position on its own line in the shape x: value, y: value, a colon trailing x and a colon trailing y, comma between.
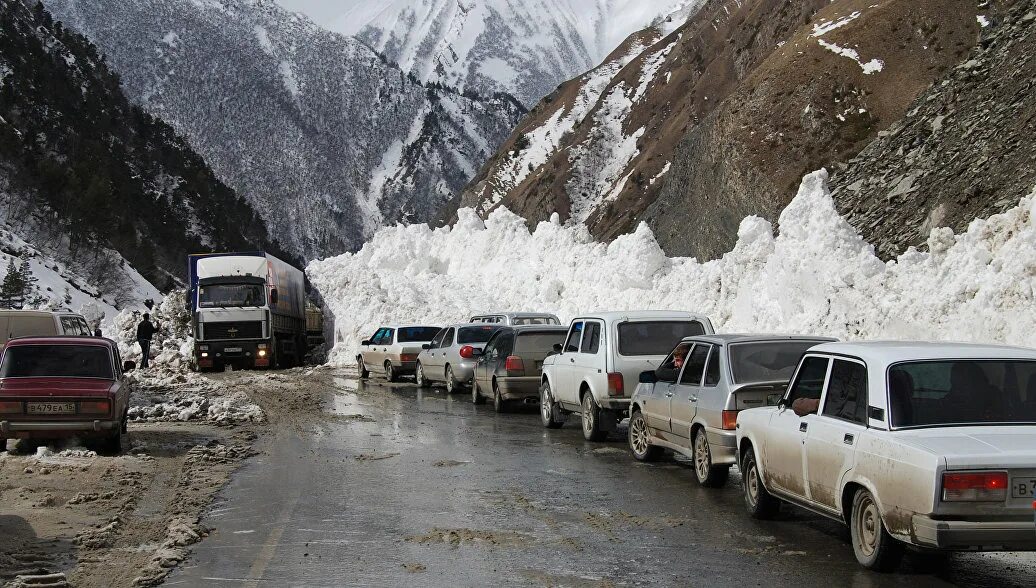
x: 427, y: 489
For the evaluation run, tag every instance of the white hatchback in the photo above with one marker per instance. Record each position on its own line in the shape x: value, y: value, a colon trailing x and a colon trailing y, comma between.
x: 931, y: 445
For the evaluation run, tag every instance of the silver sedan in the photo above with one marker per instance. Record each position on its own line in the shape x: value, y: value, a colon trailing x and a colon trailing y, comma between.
x: 450, y: 357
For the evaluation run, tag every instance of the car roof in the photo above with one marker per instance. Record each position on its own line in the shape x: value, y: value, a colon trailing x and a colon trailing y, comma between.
x: 12, y: 312
x: 724, y: 338
x: 479, y: 326
x: 61, y: 340
x: 558, y: 328
x: 514, y: 314
x: 887, y: 352
x: 612, y: 315
x: 410, y: 326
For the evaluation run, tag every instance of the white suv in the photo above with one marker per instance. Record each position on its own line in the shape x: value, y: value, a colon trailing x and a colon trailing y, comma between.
x: 596, y: 370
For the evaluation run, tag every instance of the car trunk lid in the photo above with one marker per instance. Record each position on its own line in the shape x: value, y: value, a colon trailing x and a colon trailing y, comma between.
x: 54, y: 387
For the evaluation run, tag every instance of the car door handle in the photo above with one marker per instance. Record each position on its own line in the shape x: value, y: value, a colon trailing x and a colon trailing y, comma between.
x: 572, y: 359
x: 668, y: 394
x: 803, y: 427
x: 694, y: 399
x: 848, y: 439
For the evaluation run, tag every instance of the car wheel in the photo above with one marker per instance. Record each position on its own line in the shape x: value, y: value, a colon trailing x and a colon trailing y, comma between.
x: 708, y: 475
x: 451, y: 383
x: 591, y: 413
x: 390, y: 372
x: 550, y: 415
x: 422, y: 382
x: 641, y: 449
x: 360, y: 367
x: 499, y: 404
x: 875, y: 549
x: 114, y: 443
x: 476, y: 394
x: 760, y: 503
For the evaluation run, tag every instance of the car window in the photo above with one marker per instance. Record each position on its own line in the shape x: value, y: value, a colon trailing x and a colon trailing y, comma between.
x: 712, y: 369
x: 847, y: 392
x: 766, y: 361
x: 572, y: 343
x: 810, y: 380
x: 490, y: 347
x: 476, y: 335
x: 695, y: 365
x: 386, y: 337
x: 417, y: 334
x: 961, y: 392
x: 83, y: 327
x: 504, y: 345
x: 437, y: 340
x: 669, y: 369
x: 538, y: 341
x: 74, y: 361
x: 447, y: 341
x: 535, y: 320
x: 592, y: 338
x: 655, y: 337
x: 376, y: 336
x: 69, y: 326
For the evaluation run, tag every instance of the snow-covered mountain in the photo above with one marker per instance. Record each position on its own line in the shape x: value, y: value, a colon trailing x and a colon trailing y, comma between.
x: 524, y: 48
x: 326, y: 139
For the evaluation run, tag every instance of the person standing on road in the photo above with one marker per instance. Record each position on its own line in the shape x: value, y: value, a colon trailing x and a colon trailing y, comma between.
x: 145, y: 332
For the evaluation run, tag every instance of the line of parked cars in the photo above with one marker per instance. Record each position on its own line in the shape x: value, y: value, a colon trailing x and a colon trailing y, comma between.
x: 926, y: 447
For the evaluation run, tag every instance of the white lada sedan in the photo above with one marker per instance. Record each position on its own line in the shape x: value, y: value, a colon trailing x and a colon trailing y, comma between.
x: 928, y: 445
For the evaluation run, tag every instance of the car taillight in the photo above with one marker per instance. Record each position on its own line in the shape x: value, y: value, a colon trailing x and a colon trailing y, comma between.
x: 407, y: 357
x: 615, y: 384
x: 514, y: 365
x: 974, y: 486
x: 10, y: 407
x: 94, y: 407
x: 467, y: 352
x: 729, y: 420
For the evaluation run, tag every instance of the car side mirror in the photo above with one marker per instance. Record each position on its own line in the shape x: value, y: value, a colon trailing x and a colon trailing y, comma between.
x: 476, y: 352
x: 273, y: 296
x: 426, y: 346
x: 648, y: 377
x: 557, y: 348
x: 365, y: 342
x: 129, y: 366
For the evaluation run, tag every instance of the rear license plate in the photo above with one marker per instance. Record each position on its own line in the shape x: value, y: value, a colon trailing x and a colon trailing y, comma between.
x: 50, y: 408
x: 1023, y: 487
x: 232, y: 350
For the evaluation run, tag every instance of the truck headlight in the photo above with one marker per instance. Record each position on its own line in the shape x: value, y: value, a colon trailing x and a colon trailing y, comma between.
x: 262, y: 353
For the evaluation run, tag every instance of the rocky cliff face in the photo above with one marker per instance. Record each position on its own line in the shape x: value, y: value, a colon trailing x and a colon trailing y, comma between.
x: 316, y: 130
x: 693, y: 129
x: 964, y: 149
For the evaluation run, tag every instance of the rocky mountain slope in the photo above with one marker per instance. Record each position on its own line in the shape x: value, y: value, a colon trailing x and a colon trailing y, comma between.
x: 323, y: 137
x: 693, y: 130
x: 90, y: 179
x: 523, y: 48
x: 963, y: 151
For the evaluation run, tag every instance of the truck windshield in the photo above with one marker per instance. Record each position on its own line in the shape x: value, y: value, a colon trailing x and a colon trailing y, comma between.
x: 223, y: 295
x: 770, y: 361
x: 63, y: 361
x: 417, y: 334
x: 655, y: 337
x: 962, y: 392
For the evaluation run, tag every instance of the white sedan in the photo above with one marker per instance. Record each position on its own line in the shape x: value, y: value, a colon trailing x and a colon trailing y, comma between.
x: 931, y: 445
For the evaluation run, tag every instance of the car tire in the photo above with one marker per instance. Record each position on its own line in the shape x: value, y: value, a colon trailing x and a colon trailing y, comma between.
x: 3, y: 444
x: 114, y: 443
x: 476, y: 394
x: 499, y: 404
x: 360, y: 367
x: 550, y: 414
x: 708, y: 475
x: 874, y: 548
x: 452, y: 385
x: 390, y: 372
x: 759, y: 502
x: 422, y: 382
x: 591, y: 414
x: 637, y: 436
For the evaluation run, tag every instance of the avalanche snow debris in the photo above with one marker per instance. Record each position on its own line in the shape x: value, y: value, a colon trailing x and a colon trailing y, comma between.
x: 816, y: 276
x: 872, y: 66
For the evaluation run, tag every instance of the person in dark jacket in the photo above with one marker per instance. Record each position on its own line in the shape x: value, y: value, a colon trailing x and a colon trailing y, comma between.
x: 145, y: 332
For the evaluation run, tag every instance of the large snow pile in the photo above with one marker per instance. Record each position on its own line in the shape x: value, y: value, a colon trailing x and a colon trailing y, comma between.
x: 817, y: 276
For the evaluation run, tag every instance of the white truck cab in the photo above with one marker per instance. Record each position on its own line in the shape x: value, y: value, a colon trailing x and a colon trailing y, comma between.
x: 596, y: 369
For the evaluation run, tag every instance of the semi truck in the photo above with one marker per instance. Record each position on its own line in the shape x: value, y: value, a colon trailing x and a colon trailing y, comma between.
x: 248, y: 310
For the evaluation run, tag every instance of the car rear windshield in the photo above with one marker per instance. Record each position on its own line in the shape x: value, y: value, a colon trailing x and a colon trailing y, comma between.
x: 962, y: 392
x: 535, y: 320
x: 655, y: 337
x: 538, y: 341
x: 770, y: 361
x: 480, y: 334
x: 67, y: 361
x: 417, y: 334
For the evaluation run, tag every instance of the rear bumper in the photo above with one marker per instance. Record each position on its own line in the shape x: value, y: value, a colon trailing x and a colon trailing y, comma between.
x: 29, y: 429
x: 519, y: 387
x: 975, y: 536
x: 621, y: 405
x: 407, y: 368
x: 722, y: 446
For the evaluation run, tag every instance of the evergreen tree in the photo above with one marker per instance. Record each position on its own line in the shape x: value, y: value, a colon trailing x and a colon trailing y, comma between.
x: 12, y: 290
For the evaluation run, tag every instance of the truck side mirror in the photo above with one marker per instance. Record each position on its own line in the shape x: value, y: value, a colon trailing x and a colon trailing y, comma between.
x: 273, y: 295
x: 648, y: 377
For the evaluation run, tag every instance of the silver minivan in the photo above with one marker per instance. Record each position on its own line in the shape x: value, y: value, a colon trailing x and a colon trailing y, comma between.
x: 41, y: 323
x: 450, y: 357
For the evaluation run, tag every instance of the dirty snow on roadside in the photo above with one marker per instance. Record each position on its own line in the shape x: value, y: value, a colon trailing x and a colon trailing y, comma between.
x: 816, y: 276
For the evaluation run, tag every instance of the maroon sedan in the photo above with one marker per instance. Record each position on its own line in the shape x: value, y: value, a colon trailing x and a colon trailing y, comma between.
x: 58, y: 387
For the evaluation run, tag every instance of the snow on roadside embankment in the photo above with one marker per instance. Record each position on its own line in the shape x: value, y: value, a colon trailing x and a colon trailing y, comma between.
x: 816, y: 276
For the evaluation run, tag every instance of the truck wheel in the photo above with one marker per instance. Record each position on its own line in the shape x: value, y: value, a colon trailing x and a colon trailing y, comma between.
x: 550, y: 414
x: 361, y: 368
x: 760, y: 503
x: 592, y: 430
x: 499, y: 404
x: 390, y: 372
x: 422, y: 382
x: 875, y: 549
x: 708, y: 475
x: 641, y: 449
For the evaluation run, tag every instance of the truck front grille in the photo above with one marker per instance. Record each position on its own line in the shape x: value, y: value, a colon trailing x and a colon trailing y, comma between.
x: 232, y: 330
